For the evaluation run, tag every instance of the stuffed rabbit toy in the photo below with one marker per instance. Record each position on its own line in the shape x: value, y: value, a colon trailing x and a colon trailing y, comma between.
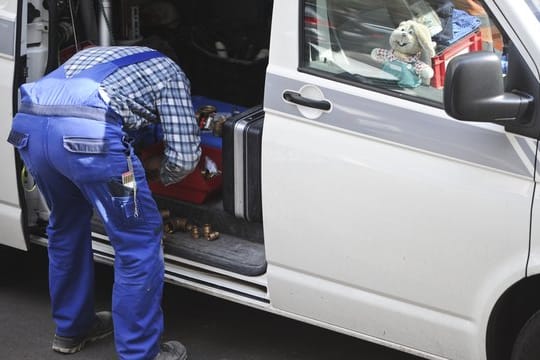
x: 410, y: 54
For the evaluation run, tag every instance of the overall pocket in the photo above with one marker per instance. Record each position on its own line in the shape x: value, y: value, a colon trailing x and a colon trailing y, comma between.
x: 125, y: 211
x: 20, y: 142
x: 87, y: 158
x: 81, y: 145
x: 17, y: 139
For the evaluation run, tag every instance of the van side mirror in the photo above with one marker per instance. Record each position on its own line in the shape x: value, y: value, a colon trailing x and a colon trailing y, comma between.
x: 474, y: 90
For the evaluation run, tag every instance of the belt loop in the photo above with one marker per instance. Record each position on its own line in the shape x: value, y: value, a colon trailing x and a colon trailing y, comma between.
x: 128, y: 142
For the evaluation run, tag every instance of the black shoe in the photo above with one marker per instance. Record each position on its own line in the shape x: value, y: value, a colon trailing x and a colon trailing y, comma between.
x: 101, y: 328
x: 172, y: 350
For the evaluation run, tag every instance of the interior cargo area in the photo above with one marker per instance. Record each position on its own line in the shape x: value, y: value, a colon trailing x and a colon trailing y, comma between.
x: 223, y: 49
x: 221, y: 45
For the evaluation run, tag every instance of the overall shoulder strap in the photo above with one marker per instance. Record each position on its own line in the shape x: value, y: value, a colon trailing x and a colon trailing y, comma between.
x: 100, y: 71
x: 138, y: 57
x: 55, y: 89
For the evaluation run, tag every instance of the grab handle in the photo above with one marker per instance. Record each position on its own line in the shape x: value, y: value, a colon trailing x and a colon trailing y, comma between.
x: 298, y: 99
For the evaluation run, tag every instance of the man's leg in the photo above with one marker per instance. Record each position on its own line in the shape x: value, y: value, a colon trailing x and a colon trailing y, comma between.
x: 71, y: 271
x: 71, y: 265
x: 92, y: 155
x: 134, y: 226
x: 71, y: 268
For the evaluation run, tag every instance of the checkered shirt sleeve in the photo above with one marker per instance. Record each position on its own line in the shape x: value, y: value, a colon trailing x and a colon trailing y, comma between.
x: 151, y: 91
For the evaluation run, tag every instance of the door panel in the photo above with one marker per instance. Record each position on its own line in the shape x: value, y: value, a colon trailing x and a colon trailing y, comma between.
x: 10, y: 211
x: 534, y: 259
x: 385, y: 217
x: 370, y: 234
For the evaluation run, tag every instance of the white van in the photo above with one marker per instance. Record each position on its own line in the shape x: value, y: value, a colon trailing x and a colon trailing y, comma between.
x: 381, y: 215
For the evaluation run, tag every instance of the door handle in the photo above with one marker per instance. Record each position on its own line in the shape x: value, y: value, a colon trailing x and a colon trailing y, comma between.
x: 298, y: 99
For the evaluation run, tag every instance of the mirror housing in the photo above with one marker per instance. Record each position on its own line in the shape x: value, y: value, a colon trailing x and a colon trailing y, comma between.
x: 474, y: 90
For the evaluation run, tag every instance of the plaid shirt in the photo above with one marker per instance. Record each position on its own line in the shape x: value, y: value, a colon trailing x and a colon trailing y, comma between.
x: 382, y: 55
x: 147, y: 92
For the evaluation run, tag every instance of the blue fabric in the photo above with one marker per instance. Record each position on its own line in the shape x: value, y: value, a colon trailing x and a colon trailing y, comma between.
x: 207, y: 138
x: 82, y: 88
x: 463, y: 24
x: 78, y: 166
x: 405, y: 73
x: 444, y: 9
x: 146, y: 93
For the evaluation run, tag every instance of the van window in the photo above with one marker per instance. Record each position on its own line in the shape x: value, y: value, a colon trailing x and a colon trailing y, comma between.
x: 379, y: 43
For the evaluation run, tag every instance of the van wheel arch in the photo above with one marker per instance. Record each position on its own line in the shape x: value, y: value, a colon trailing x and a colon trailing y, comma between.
x: 511, y: 312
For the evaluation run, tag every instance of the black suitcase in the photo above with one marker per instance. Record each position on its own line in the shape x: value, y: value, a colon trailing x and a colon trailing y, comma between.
x: 242, y: 135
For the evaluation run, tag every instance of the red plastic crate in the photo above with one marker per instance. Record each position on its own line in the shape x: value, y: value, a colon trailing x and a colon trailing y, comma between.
x: 469, y: 43
x: 195, y: 188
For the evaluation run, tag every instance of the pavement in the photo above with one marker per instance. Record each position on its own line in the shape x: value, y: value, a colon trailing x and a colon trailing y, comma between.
x: 211, y: 328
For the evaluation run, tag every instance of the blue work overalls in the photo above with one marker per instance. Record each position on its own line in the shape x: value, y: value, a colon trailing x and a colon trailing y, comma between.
x: 74, y: 146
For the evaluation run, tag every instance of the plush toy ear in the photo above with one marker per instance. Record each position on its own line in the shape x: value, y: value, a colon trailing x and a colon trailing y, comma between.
x: 424, y: 40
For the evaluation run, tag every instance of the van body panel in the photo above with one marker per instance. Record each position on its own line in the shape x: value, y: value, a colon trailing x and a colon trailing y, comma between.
x: 534, y: 258
x: 384, y: 218
x: 523, y: 27
x: 10, y: 212
x: 399, y: 206
x: 399, y: 245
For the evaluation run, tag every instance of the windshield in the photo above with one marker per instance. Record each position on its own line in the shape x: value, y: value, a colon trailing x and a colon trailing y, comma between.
x: 535, y: 7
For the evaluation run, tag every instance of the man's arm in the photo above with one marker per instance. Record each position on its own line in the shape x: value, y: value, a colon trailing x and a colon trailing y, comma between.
x: 180, y: 130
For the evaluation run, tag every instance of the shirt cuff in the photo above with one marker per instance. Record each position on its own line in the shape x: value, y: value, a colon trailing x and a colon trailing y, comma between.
x: 171, y: 173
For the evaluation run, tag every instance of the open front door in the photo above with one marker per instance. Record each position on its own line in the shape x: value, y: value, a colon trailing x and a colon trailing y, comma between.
x: 10, y: 209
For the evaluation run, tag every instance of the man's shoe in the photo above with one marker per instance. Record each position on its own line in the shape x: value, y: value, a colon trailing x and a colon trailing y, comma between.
x: 172, y: 350
x: 101, y: 328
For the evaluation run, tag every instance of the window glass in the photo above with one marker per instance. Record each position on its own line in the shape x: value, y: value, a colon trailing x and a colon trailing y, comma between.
x: 402, y: 46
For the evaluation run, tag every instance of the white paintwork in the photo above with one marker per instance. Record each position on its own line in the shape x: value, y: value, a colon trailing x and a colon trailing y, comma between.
x: 392, y: 242
x: 399, y: 246
x: 10, y: 212
x: 388, y: 253
x: 534, y: 259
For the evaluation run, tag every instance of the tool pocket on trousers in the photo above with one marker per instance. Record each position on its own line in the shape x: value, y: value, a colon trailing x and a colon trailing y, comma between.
x: 20, y: 142
x: 119, y: 190
x: 87, y: 158
x: 125, y: 207
x: 17, y: 139
x: 123, y: 200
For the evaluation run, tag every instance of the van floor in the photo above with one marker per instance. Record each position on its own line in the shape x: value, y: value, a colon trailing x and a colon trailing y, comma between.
x: 239, y: 248
x: 228, y: 252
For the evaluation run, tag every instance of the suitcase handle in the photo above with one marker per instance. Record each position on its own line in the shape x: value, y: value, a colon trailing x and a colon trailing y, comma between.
x: 298, y: 99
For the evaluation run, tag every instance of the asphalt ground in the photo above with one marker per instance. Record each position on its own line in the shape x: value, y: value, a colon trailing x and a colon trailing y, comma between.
x: 211, y: 328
